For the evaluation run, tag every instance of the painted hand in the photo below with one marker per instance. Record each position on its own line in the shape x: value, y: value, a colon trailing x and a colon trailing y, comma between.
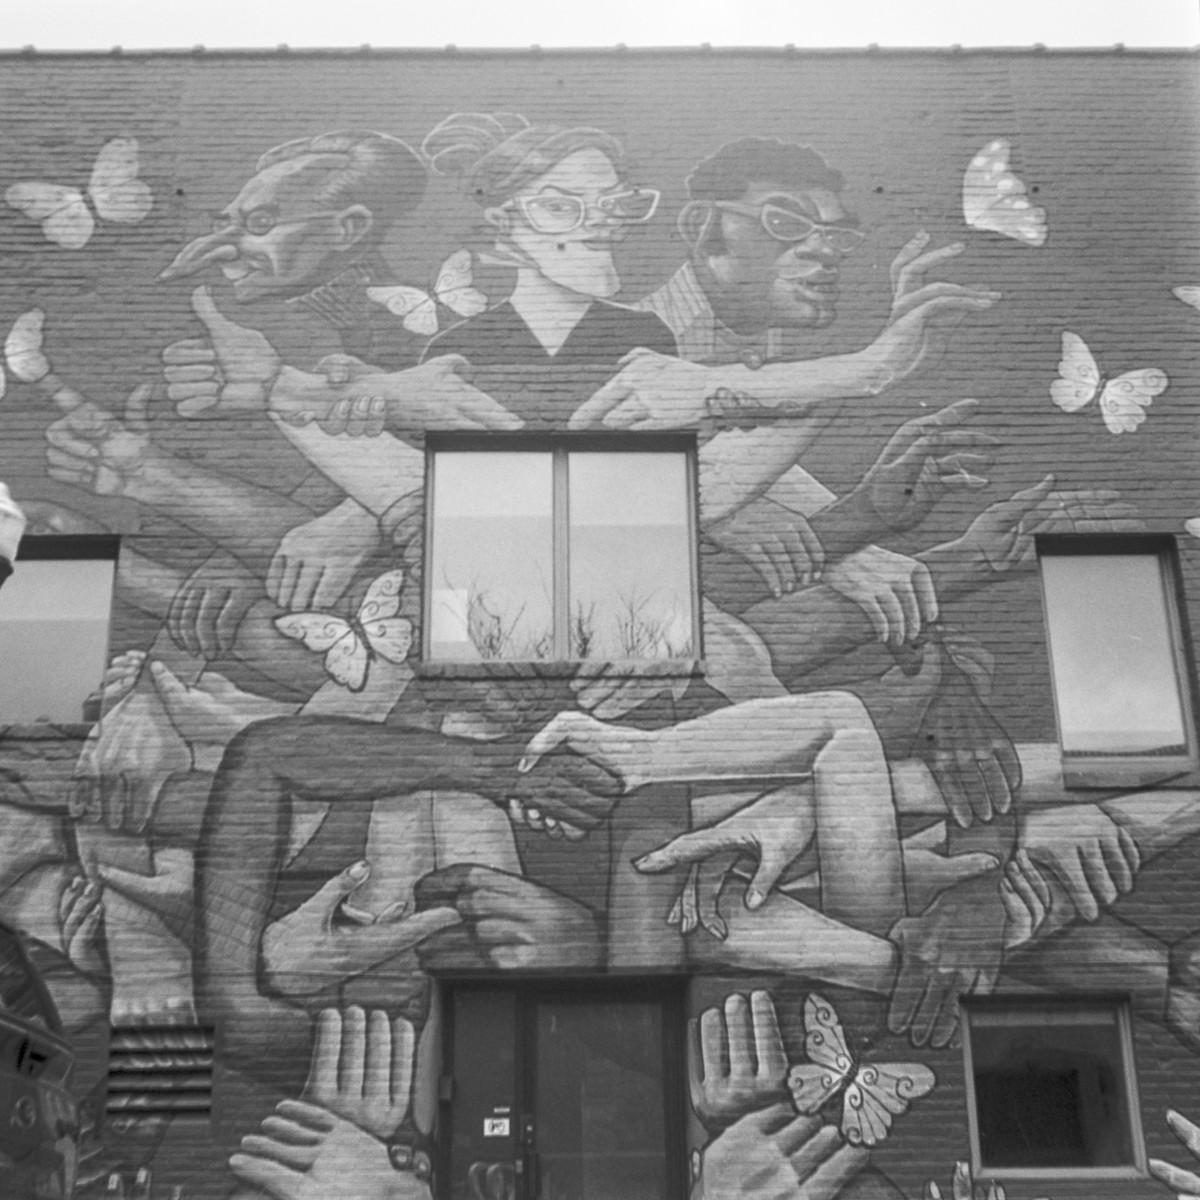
x: 362, y: 1068
x: 125, y: 762
x: 952, y: 949
x: 1094, y: 859
x: 895, y: 591
x: 228, y: 371
x: 924, y: 459
x: 1002, y: 538
x: 92, y: 449
x: 508, y: 922
x: 81, y: 920
x: 208, y: 609
x: 922, y: 313
x: 315, y: 945
x: 1185, y: 1184
x: 774, y: 829
x: 963, y: 1187
x: 306, y: 1153
x: 315, y: 562
x: 775, y: 1153
x: 168, y: 891
x: 777, y: 543
x: 140, y: 1187
x: 650, y: 391
x: 1026, y: 897
x: 971, y: 758
x: 736, y: 1059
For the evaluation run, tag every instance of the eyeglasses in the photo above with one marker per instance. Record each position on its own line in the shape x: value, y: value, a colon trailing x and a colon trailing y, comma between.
x: 562, y: 212
x: 784, y: 225
x: 259, y: 221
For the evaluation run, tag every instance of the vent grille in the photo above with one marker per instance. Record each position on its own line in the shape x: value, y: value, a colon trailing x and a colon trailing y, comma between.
x: 160, y: 1070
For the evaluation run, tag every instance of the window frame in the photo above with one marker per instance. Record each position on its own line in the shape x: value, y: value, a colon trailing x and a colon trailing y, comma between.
x: 1105, y: 771
x: 560, y: 446
x: 1038, y: 1006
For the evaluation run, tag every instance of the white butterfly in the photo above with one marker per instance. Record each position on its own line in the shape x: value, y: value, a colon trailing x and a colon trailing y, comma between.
x: 994, y: 198
x: 1123, y: 399
x: 1189, y: 295
x: 23, y: 349
x: 114, y: 189
x: 454, y: 287
x: 351, y: 644
x: 872, y: 1093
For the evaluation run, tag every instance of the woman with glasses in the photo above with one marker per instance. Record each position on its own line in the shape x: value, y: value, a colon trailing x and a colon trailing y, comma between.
x: 559, y: 204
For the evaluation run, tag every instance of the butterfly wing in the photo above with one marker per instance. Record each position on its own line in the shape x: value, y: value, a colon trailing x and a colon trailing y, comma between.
x: 995, y: 200
x: 414, y: 306
x: 390, y: 638
x: 455, y: 286
x: 23, y: 347
x: 66, y: 220
x: 1078, y: 374
x: 877, y: 1094
x: 347, y: 661
x: 1189, y: 295
x: 814, y: 1082
x: 318, y: 631
x: 383, y: 597
x: 116, y: 191
x: 1124, y: 401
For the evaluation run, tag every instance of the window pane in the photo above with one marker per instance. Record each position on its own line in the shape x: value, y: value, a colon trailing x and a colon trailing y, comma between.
x: 1113, y: 654
x: 630, y: 556
x: 491, y: 561
x: 53, y: 637
x: 1051, y: 1092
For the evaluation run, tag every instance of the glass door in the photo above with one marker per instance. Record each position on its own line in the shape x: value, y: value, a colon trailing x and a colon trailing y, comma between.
x: 562, y: 1095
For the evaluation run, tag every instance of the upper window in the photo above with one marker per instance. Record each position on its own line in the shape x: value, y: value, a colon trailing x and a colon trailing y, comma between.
x: 561, y: 551
x: 54, y: 613
x: 1050, y: 1088
x: 1120, y: 688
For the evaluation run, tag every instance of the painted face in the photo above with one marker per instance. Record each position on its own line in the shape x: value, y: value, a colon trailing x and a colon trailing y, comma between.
x: 776, y: 269
x: 580, y: 259
x: 274, y: 239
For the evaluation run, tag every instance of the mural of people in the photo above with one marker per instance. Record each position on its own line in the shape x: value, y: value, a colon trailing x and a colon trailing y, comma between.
x: 836, y: 814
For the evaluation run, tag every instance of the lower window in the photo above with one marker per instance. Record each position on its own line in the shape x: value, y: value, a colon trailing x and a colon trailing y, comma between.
x: 1051, y: 1089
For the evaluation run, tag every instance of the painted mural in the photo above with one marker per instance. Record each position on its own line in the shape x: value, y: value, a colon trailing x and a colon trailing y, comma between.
x: 286, y: 821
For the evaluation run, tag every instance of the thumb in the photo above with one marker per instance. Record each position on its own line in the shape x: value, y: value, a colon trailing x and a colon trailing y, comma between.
x: 968, y: 866
x: 324, y: 902
x: 137, y: 407
x: 772, y: 864
x: 219, y: 326
x: 172, y: 691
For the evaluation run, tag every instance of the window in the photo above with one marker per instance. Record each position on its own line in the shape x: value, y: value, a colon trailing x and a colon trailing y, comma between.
x: 54, y: 613
x: 563, y: 550
x: 1120, y: 689
x: 1050, y: 1089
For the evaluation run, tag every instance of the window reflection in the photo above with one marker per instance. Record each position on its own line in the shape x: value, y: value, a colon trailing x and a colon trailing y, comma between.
x: 53, y: 637
x: 492, y: 557
x: 630, y: 578
x: 1113, y: 654
x: 561, y: 554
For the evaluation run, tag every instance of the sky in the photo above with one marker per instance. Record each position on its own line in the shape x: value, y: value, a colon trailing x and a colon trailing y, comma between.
x: 216, y: 24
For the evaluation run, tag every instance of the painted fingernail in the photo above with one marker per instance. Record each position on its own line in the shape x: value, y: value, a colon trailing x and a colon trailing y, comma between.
x: 360, y: 870
x: 754, y: 898
x: 525, y: 764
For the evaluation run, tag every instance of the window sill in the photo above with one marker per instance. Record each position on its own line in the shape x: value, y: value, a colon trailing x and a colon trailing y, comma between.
x: 666, y: 668
x: 1056, y: 1174
x: 58, y: 731
x: 1105, y: 773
